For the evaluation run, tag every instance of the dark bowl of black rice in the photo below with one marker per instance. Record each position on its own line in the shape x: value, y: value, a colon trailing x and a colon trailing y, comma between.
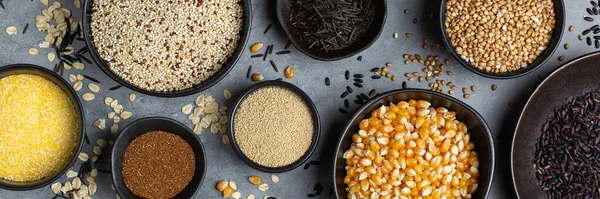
x: 556, y: 36
x: 555, y: 148
x: 481, y: 135
x: 196, y: 88
x: 332, y: 30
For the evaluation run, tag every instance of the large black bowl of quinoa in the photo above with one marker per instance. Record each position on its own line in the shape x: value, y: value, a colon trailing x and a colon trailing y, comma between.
x: 166, y: 62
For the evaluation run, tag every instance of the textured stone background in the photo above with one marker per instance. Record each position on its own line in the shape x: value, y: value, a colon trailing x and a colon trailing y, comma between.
x: 222, y: 161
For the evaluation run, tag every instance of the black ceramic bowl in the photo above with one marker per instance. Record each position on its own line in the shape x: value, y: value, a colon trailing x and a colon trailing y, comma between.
x: 64, y: 85
x: 143, y: 126
x: 480, y: 134
x: 559, y: 26
x: 364, y: 42
x: 571, y: 80
x: 315, y: 117
x: 244, y: 33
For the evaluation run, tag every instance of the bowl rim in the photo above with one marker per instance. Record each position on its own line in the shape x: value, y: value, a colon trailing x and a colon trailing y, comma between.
x: 361, y: 109
x: 80, y: 112
x: 320, y: 58
x: 527, y: 104
x: 218, y: 76
x: 559, y: 30
x: 127, y: 129
x: 316, y: 123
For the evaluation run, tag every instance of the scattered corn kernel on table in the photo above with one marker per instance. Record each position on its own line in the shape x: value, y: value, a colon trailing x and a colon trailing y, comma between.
x: 499, y: 107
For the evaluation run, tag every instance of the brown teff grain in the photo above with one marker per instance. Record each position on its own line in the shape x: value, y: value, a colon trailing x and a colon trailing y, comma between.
x: 158, y: 164
x: 500, y: 37
x: 273, y: 126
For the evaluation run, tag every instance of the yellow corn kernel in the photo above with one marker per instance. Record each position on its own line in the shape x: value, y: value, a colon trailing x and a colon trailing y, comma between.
x: 221, y: 185
x: 255, y: 180
x: 228, y: 191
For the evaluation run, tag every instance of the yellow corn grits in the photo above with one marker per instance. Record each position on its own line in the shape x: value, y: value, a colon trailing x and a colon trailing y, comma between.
x: 39, y: 128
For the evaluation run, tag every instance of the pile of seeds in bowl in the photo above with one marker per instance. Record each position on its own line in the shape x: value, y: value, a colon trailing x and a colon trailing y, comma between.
x: 40, y: 128
x: 567, y: 156
x: 273, y: 126
x: 411, y: 149
x: 499, y: 37
x: 166, y: 46
x: 331, y: 25
x: 158, y: 164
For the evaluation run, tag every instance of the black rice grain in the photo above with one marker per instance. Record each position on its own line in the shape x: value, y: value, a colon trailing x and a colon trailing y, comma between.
x: 274, y: 66
x: 267, y: 29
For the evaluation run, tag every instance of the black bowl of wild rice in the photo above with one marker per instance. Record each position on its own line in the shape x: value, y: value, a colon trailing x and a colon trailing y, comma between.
x: 332, y: 30
x: 172, y: 53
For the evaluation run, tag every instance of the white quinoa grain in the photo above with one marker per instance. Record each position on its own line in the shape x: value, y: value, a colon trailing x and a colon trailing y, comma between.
x: 166, y: 46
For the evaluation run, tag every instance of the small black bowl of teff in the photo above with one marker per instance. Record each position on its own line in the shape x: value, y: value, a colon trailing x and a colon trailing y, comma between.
x: 502, y: 40
x: 157, y: 157
x: 274, y: 126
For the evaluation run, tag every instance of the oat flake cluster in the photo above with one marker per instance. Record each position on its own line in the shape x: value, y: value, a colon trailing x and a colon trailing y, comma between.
x: 500, y: 36
x: 166, y: 46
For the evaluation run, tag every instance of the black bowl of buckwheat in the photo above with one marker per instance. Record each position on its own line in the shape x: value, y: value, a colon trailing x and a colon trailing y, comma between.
x: 178, y: 51
x: 502, y: 40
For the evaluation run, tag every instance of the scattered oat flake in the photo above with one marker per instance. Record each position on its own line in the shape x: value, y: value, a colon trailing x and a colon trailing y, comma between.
x: 45, y: 2
x: 78, y: 85
x: 90, y: 178
x: 101, y: 143
x: 111, y: 115
x: 51, y: 56
x: 187, y: 109
x: 126, y: 115
x: 97, y: 150
x: 12, y: 30
x: 225, y: 139
x: 132, y: 97
x: 92, y: 188
x: 56, y: 187
x: 263, y: 187
x: 77, y: 4
x: 94, y: 158
x: 88, y: 97
x: 94, y: 87
x: 274, y: 178
x: 226, y: 94
x: 72, y: 78
x: 108, y: 101
x: 76, y: 183
x: 114, y: 129
x: 250, y: 196
x: 71, y: 174
x: 94, y: 172
x: 79, y: 65
x: 83, y: 156
x: 198, y: 129
x: 33, y: 51
x: 116, y: 119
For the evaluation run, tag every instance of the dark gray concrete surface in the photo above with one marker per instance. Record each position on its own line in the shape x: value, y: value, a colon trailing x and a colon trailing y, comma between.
x: 310, y: 74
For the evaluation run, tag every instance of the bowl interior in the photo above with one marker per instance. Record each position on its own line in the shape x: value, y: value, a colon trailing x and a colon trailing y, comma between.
x: 143, y: 126
x: 244, y: 35
x: 316, y: 124
x: 60, y: 82
x: 559, y: 25
x: 582, y: 77
x: 480, y: 134
x: 283, y: 15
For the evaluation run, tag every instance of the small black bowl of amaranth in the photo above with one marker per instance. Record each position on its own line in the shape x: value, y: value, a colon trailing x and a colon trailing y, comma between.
x: 274, y: 126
